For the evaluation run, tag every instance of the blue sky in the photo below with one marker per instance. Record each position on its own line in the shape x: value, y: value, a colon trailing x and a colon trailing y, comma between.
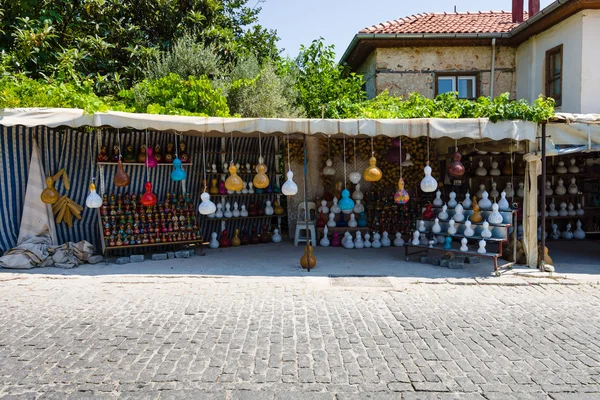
x: 300, y: 21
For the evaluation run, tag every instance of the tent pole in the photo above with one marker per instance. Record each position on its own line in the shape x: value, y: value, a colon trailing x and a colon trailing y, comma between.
x: 306, y: 215
x: 542, y: 250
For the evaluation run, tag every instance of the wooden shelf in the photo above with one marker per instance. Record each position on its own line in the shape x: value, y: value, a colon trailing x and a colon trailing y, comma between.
x: 236, y: 218
x: 440, y: 247
x: 568, y: 217
x: 559, y: 196
x: 488, y: 176
x: 472, y: 223
x: 458, y: 235
x: 344, y: 228
x: 245, y: 194
x: 133, y: 246
x: 141, y: 164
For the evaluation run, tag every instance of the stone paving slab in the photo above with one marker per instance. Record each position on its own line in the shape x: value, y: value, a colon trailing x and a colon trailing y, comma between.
x: 295, y: 338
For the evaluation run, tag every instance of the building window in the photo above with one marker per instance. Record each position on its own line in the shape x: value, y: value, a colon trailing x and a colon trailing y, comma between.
x: 465, y: 85
x: 554, y: 64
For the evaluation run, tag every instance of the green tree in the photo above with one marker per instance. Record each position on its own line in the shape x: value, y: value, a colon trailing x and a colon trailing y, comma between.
x: 321, y: 81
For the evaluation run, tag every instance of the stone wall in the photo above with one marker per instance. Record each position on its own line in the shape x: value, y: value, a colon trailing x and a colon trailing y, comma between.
x: 404, y: 70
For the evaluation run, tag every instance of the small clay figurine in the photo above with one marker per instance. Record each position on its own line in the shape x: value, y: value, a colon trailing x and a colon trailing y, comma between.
x: 224, y: 242
x: 183, y: 155
x: 115, y: 156
x: 157, y: 153
x: 129, y: 157
x: 264, y: 236
x: 169, y: 156
x: 254, y: 238
x: 103, y: 155
x: 142, y: 154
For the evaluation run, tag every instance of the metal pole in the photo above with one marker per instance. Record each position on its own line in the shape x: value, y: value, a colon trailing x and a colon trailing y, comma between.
x: 543, y: 194
x: 306, y: 206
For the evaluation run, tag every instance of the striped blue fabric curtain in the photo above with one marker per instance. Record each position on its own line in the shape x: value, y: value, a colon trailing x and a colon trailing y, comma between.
x: 70, y: 149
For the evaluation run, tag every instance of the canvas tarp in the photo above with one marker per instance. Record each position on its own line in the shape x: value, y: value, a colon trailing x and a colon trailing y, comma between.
x: 470, y: 128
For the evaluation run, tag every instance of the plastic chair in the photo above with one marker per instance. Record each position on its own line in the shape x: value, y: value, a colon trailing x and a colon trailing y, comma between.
x: 302, y: 224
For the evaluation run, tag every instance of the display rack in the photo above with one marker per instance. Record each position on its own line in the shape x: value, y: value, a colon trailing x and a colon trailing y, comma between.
x: 500, y: 234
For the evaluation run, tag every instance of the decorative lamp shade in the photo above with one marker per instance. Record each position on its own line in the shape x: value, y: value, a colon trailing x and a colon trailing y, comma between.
x: 329, y: 170
x: 178, y: 174
x: 456, y: 169
x: 408, y: 162
x: 393, y: 154
x: 150, y: 159
x: 234, y: 182
x: 428, y: 183
x: 93, y: 200
x: 121, y: 177
x: 206, y: 206
x: 148, y: 198
x: 401, y: 196
x: 372, y: 173
x: 354, y: 177
x: 49, y: 194
x: 289, y: 188
x: 346, y: 204
x: 261, y: 180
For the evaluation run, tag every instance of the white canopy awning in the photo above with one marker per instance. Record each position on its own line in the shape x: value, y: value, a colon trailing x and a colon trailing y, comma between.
x: 572, y: 133
x: 471, y: 128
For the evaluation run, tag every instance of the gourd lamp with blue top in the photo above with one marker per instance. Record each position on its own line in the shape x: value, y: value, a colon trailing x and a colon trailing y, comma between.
x: 346, y: 204
x: 178, y: 174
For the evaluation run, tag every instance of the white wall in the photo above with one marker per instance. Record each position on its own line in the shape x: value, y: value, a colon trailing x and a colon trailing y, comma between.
x: 590, y: 78
x: 531, y: 57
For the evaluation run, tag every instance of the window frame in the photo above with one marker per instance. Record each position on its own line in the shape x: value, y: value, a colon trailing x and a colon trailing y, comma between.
x: 550, y: 76
x: 455, y: 77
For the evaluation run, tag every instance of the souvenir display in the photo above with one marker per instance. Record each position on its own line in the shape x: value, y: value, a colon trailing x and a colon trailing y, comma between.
x: 561, y: 169
x: 178, y: 174
x: 459, y: 215
x: 141, y: 158
x: 579, y: 233
x: 50, y: 195
x: 573, y: 168
x: 485, y: 232
x: 422, y: 227
x: 346, y: 204
x: 121, y: 178
x: 358, y: 207
x: 415, y: 240
x: 494, y: 171
x: 571, y: 210
x: 463, y: 245
x: 233, y: 182
x: 548, y: 189
x: 507, y: 169
x: 372, y: 173
x: 250, y: 188
x: 376, y: 244
x: 264, y: 236
x: 349, y: 243
x: 428, y: 183
x: 357, y: 194
x: 254, y: 237
x: 521, y: 190
x: 443, y: 215
x: 394, y: 154
x: 243, y: 211
x: 579, y: 210
x: 236, y: 211
x: 436, y: 228
x: 342, y: 220
x: 103, y: 155
x: 553, y: 212
x: 428, y: 213
x: 503, y: 203
x: 555, y: 235
x: 563, y: 210
x: 93, y: 200
x: 362, y: 221
x: 476, y: 216
x: 367, y: 241
x: 329, y: 170
x: 130, y: 222
x: 289, y: 188
x: 224, y: 242
x: 335, y: 208
x: 235, y: 240
x: 448, y: 244
x: 245, y: 238
x: 479, y: 193
x: 560, y: 189
x: 495, y: 217
x: 352, y: 223
x: 219, y: 212
x: 261, y: 180
x: 331, y: 223
x: 494, y: 194
x: 148, y: 198
x: 150, y: 159
x: 456, y: 169
x: 401, y: 196
x: 227, y: 213
x: 214, y: 243
x: 182, y: 154
x: 116, y: 154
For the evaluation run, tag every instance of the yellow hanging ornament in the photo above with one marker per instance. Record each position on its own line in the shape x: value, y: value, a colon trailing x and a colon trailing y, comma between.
x: 261, y: 180
x: 234, y: 182
x: 372, y: 173
x: 401, y: 196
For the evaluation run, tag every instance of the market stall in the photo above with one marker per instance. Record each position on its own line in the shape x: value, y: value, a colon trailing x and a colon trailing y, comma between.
x: 239, y: 142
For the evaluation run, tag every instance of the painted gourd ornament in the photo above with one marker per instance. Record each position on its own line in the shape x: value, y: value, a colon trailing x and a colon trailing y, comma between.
x: 150, y: 159
x: 103, y: 155
x: 329, y: 170
x: 234, y: 182
x: 507, y: 169
x: 289, y: 188
x: 182, y: 152
x: 121, y: 177
x: 393, y: 154
x: 428, y: 183
x: 456, y: 169
x: 261, y: 180
x: 49, y: 195
x: 142, y: 154
x: 235, y: 241
x: 476, y: 216
x: 148, y: 198
x: 224, y: 242
x: 206, y: 206
x: 277, y: 209
x: 93, y: 199
x: 401, y: 196
x: 428, y: 213
x: 346, y: 204
x: 308, y: 260
x: 178, y: 174
x: 213, y: 187
x: 372, y: 173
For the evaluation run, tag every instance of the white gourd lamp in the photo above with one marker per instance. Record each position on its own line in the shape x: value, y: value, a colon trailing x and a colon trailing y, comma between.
x: 206, y: 206
x: 428, y: 183
x: 354, y: 175
x: 289, y: 188
x: 329, y: 170
x: 93, y: 199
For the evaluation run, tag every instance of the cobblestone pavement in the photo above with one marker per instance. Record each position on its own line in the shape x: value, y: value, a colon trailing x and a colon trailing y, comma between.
x: 295, y: 338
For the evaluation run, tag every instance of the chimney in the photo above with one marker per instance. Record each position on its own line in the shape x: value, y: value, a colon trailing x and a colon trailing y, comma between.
x: 534, y: 7
x: 517, y: 10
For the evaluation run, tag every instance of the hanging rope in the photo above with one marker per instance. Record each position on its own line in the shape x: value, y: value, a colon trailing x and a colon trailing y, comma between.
x: 400, y: 151
x: 344, y: 136
x: 354, y: 148
x: 372, y: 151
x: 231, y: 140
x: 119, y: 141
x: 204, y: 162
x: 147, y: 169
x: 92, y: 160
x: 259, y: 147
x: 176, y: 146
x: 288, y: 148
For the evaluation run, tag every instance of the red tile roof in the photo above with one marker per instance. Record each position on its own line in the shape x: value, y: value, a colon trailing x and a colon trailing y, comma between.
x: 464, y: 22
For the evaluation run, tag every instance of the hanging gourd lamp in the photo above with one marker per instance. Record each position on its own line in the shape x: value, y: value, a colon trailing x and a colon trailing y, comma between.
x: 329, y: 170
x: 151, y: 161
x: 178, y: 173
x: 233, y: 183
x: 428, y: 183
x: 50, y: 195
x: 456, y: 169
x: 346, y: 204
x: 372, y: 173
x: 394, y: 156
x: 354, y: 176
x: 261, y: 180
x: 121, y: 178
x: 408, y: 162
x: 206, y: 206
x: 148, y: 198
x: 401, y: 196
x: 289, y: 188
x: 93, y: 199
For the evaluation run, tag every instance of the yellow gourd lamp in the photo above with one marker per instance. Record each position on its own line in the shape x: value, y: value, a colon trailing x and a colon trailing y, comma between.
x: 261, y: 180
x: 233, y: 182
x: 401, y: 196
x: 50, y: 195
x: 372, y: 173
